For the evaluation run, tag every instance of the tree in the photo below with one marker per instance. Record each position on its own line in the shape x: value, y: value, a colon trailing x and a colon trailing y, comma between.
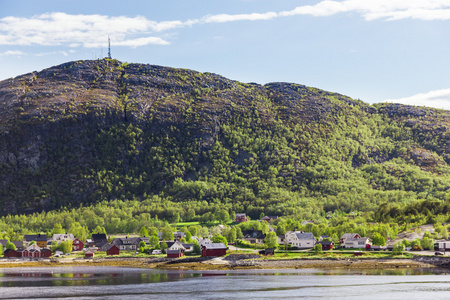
x: 143, y: 232
x: 378, y: 239
x: 1, y: 249
x: 444, y: 233
x: 79, y: 231
x: 398, y: 248
x: 281, y: 229
x: 167, y: 233
x: 57, y: 229
x: 188, y: 236
x: 223, y: 216
x: 10, y: 245
x: 318, y: 249
x: 271, y: 240
x: 152, y: 231
x: 217, y: 238
x: 163, y: 246
x: 193, y: 230
x: 54, y: 246
x: 65, y: 246
x: 153, y: 241
x: 427, y: 243
x: 196, y: 247
x: 99, y: 230
x: 142, y: 246
x: 230, y: 234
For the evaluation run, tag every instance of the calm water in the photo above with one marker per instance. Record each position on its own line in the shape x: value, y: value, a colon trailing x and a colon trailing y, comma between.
x: 132, y: 283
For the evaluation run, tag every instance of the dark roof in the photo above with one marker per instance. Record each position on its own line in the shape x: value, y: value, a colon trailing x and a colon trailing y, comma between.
x: 325, y: 243
x: 257, y: 234
x: 9, y: 250
x: 269, y: 218
x: 3, y: 242
x: 108, y: 247
x: 100, y: 243
x: 18, y: 244
x: 98, y: 237
x: 305, y: 236
x: 127, y: 241
x: 35, y: 237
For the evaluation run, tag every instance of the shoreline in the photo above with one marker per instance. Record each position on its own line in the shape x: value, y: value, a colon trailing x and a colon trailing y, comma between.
x: 222, y: 264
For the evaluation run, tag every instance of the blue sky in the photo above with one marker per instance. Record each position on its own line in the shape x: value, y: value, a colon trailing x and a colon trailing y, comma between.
x: 373, y: 50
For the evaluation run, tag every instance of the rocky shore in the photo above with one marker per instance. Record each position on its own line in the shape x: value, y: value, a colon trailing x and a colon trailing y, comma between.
x: 235, y: 262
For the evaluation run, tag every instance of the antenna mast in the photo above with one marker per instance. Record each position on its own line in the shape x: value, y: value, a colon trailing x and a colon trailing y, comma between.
x: 109, y: 48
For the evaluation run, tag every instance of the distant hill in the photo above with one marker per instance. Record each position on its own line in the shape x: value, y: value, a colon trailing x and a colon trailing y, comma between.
x: 89, y: 131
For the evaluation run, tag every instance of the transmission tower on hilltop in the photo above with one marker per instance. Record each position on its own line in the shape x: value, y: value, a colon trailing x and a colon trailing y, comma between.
x: 109, y: 48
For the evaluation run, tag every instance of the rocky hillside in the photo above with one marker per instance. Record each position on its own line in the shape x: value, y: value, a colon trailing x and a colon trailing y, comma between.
x: 89, y: 131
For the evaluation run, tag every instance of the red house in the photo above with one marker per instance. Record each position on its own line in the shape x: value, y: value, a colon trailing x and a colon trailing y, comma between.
x: 77, y: 245
x: 175, y: 253
x: 12, y: 253
x: 214, y: 249
x: 241, y: 217
x: 89, y: 253
x: 112, y: 250
x: 326, y: 245
x: 46, y: 252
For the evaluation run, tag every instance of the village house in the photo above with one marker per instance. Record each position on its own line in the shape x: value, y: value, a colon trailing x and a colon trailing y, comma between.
x: 97, y: 240
x: 346, y: 236
x: 300, y: 239
x: 281, y: 239
x: 214, y: 249
x: 32, y: 251
x: 62, y: 237
x: 269, y: 218
x: 112, y: 250
x: 40, y: 239
x: 128, y: 244
x: 253, y: 236
x: 326, y: 245
x: 77, y: 245
x: 12, y: 253
x: 46, y: 252
x: 89, y: 253
x: 241, y: 217
x: 188, y: 247
x: 178, y: 235
x: 176, y: 250
x: 356, y: 243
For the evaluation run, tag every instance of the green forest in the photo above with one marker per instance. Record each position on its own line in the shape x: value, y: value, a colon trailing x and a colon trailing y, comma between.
x: 127, y: 145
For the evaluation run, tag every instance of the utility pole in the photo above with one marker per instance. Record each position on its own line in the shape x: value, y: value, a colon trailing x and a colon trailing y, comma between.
x: 109, y: 48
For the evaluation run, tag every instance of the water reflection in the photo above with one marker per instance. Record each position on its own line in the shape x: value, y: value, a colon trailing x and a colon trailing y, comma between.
x: 113, y: 282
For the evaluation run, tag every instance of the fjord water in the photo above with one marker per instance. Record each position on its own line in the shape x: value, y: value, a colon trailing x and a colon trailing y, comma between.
x: 119, y: 283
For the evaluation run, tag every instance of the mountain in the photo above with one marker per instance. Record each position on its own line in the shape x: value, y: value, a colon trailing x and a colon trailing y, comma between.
x: 90, y: 131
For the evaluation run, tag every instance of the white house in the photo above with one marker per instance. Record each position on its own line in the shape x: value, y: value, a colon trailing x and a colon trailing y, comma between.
x: 300, y: 239
x: 356, y: 243
x: 62, y: 237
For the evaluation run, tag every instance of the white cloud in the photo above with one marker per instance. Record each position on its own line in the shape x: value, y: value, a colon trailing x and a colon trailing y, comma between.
x: 56, y: 29
x: 52, y: 53
x: 437, y: 99
x: 222, y: 18
x: 12, y: 53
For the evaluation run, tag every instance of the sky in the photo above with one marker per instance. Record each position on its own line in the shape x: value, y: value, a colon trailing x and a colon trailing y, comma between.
x: 372, y: 50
